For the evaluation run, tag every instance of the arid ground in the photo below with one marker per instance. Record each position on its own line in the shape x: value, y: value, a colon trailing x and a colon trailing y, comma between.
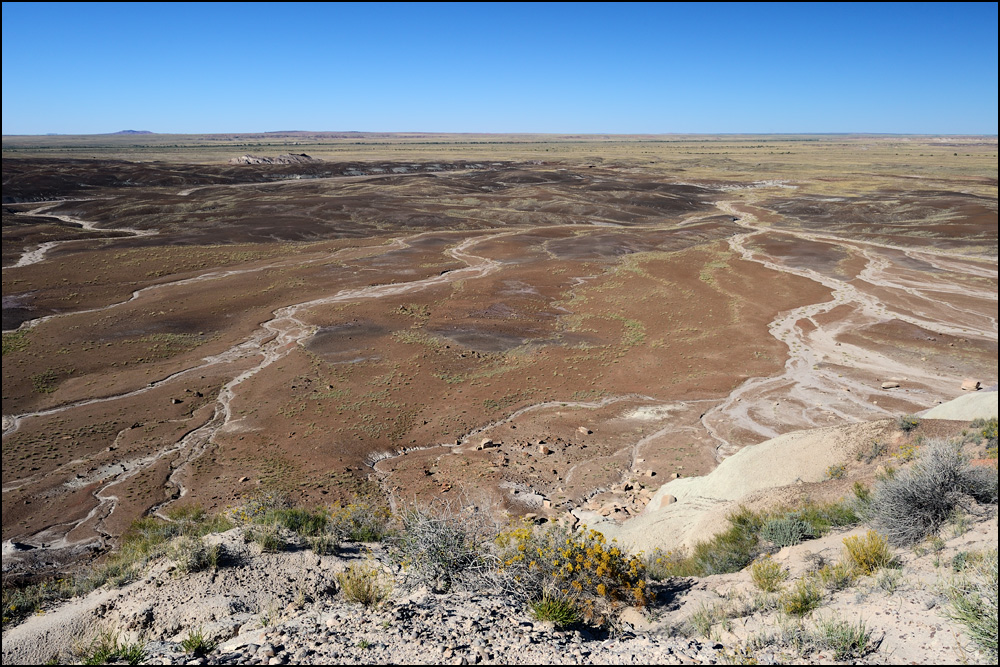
x: 554, y: 322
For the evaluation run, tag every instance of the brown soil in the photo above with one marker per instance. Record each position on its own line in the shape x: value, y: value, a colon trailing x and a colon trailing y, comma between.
x: 366, y: 327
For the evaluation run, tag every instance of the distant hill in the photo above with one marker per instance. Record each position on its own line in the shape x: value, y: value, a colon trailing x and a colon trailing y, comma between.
x: 134, y: 132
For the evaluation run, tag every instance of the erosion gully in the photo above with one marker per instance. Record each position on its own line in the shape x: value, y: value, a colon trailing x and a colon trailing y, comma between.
x: 809, y: 394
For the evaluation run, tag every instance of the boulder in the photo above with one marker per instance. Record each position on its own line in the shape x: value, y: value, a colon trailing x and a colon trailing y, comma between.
x: 968, y: 384
x: 891, y: 384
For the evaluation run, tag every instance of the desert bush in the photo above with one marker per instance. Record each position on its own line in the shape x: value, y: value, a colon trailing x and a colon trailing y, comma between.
x: 986, y: 432
x: 442, y: 547
x: 972, y: 601
x: 907, y: 423
x: 364, y: 584
x: 868, y: 554
x: 323, y: 544
x: 191, y: 554
x: 301, y: 522
x: 557, y: 608
x: 267, y: 536
x: 918, y: 501
x: 662, y: 564
x: 836, y: 471
x: 876, y: 449
x: 846, y: 640
x: 580, y: 563
x: 361, y: 521
x: 197, y: 644
x: 256, y: 507
x: 767, y: 575
x: 836, y: 577
x: 729, y: 551
x: 801, y: 599
x: 105, y: 649
x: 786, y: 531
x: 732, y: 550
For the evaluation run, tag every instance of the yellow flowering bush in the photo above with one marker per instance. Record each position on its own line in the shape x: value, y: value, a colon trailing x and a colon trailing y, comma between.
x: 581, y: 564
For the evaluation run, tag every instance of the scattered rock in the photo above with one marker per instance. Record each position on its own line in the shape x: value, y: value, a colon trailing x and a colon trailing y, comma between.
x: 667, y: 499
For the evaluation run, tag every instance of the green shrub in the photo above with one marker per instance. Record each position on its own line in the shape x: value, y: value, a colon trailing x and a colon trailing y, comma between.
x: 299, y: 521
x: 197, y: 644
x: 786, y: 531
x: 363, y: 583
x: 836, y: 577
x: 868, y: 554
x: 105, y: 649
x: 802, y: 599
x: 767, y: 575
x: 907, y: 423
x: 556, y: 608
x: 361, y: 521
x: 662, y: 565
x: 973, y: 601
x: 847, y: 641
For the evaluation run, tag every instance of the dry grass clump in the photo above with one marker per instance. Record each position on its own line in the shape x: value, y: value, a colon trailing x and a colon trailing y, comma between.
x: 190, y: 554
x: 106, y: 649
x: 972, y: 598
x: 364, y: 583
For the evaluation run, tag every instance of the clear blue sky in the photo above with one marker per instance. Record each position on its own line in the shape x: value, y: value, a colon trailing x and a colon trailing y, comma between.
x: 80, y: 68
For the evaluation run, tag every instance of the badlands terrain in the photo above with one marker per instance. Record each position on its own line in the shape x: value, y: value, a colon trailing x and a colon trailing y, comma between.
x: 559, y: 323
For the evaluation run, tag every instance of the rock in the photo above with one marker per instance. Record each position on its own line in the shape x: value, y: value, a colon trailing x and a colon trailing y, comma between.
x: 175, y: 401
x: 543, y: 450
x: 583, y: 430
x: 890, y: 385
x: 637, y: 619
x: 487, y: 444
x: 970, y: 385
x: 667, y: 499
x: 243, y: 479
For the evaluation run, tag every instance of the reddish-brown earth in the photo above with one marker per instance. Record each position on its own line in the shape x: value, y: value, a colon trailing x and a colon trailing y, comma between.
x: 192, y: 333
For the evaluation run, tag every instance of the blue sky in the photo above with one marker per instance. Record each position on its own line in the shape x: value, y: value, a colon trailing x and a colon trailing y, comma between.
x: 80, y: 68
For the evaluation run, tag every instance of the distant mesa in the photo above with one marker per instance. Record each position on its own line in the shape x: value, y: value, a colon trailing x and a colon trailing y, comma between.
x: 133, y: 132
x: 287, y: 158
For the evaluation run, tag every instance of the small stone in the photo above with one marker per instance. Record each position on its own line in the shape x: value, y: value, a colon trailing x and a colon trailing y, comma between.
x: 890, y: 385
x: 543, y: 450
x: 970, y: 384
x: 667, y: 499
x: 583, y: 430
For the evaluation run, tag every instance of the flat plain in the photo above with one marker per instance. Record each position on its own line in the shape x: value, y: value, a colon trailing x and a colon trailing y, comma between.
x: 545, y: 320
